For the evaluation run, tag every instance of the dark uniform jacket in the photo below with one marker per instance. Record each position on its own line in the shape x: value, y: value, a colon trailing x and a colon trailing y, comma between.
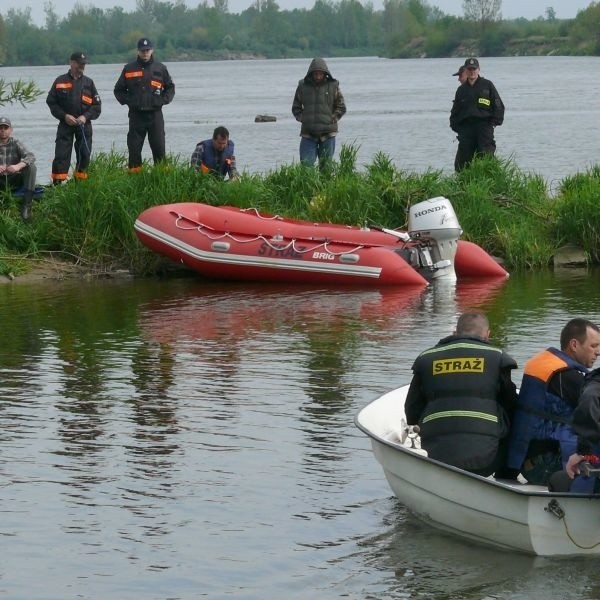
x: 479, y: 101
x: 462, y: 396
x: 586, y: 417
x: 318, y: 106
x: 144, y: 86
x: 76, y: 97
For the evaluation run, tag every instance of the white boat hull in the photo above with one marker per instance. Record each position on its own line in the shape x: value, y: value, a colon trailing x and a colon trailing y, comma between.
x: 511, y: 516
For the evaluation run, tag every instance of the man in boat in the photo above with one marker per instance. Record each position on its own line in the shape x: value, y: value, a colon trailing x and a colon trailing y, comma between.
x: 477, y: 109
x: 462, y: 397
x: 542, y: 438
x: 318, y: 104
x: 586, y: 425
x: 215, y: 156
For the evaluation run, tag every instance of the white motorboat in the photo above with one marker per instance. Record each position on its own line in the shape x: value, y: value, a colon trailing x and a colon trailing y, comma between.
x: 503, y: 514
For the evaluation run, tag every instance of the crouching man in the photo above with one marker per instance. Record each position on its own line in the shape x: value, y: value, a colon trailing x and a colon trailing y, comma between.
x: 17, y: 166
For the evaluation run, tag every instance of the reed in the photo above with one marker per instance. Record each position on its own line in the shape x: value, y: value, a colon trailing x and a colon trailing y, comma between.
x: 508, y: 212
x: 578, y: 212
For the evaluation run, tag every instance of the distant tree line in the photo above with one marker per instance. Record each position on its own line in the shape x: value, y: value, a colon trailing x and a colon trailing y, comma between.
x: 402, y: 29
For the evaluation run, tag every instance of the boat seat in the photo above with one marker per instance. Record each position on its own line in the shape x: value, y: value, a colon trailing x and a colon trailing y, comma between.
x: 523, y: 487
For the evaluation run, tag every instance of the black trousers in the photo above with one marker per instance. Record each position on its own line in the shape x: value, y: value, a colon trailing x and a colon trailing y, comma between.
x: 64, y: 146
x: 142, y: 123
x: 24, y: 178
x: 475, y: 137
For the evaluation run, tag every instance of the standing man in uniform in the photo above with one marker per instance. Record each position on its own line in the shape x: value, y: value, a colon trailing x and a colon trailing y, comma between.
x: 145, y: 86
x: 462, y: 397
x: 476, y: 110
x: 318, y: 104
x: 74, y: 101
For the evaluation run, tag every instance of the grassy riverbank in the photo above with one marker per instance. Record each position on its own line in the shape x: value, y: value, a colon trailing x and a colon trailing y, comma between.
x: 509, y: 213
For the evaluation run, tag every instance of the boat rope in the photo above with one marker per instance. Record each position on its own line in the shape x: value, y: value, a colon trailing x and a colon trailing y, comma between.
x: 557, y: 510
x: 575, y: 542
x: 274, y: 217
x: 275, y: 242
x: 263, y: 217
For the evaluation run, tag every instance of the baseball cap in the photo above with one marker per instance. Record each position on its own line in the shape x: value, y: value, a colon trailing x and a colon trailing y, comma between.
x: 80, y: 57
x: 472, y: 62
x: 460, y: 70
x: 5, y: 121
x: 144, y: 43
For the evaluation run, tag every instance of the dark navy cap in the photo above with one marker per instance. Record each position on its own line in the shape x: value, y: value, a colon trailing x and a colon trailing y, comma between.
x: 144, y: 43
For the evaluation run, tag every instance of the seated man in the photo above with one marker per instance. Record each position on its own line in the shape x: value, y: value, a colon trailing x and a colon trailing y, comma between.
x: 586, y: 425
x: 17, y: 166
x: 216, y: 156
x: 541, y: 439
x: 462, y: 398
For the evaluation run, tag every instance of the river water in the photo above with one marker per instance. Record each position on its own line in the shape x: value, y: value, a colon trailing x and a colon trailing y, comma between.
x: 180, y: 439
x: 398, y: 107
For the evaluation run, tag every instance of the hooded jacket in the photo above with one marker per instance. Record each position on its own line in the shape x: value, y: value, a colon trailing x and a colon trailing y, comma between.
x: 318, y: 106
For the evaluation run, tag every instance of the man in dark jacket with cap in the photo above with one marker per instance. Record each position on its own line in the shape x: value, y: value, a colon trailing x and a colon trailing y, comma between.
x: 145, y: 86
x: 319, y: 105
x: 74, y: 101
x: 476, y: 110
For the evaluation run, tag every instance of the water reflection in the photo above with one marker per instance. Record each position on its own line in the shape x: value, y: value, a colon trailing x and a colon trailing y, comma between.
x: 144, y: 422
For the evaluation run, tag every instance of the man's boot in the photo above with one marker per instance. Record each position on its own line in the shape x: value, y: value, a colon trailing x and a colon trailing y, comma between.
x: 26, y: 205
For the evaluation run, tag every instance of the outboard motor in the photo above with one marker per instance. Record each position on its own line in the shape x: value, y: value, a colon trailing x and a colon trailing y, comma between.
x: 434, y: 223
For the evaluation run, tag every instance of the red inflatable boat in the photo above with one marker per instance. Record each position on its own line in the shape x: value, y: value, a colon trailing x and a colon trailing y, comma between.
x: 242, y: 244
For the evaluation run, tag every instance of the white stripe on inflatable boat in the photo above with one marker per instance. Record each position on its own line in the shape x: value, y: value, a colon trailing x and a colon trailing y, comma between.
x: 255, y: 261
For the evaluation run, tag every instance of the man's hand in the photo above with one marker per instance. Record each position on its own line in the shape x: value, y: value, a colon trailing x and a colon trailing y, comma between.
x: 572, y: 466
x: 11, y: 169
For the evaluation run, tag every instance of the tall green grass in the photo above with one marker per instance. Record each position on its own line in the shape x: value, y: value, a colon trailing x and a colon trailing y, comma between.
x: 508, y: 212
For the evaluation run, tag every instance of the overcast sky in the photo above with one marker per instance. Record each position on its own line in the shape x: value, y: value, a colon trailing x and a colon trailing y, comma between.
x: 511, y: 9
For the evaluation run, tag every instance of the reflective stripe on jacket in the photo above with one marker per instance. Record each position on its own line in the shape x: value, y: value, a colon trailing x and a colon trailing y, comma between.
x: 460, y: 381
x: 215, y: 162
x: 76, y: 97
x: 144, y: 86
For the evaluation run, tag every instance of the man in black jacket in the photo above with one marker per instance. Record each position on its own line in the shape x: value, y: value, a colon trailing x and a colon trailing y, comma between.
x: 476, y: 110
x: 74, y: 101
x: 145, y: 86
x: 462, y: 398
x: 586, y: 424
